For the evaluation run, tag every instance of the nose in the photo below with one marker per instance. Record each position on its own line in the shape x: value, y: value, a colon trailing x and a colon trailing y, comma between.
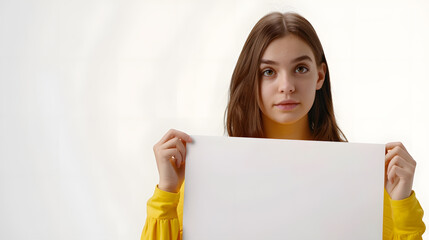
x: 286, y: 84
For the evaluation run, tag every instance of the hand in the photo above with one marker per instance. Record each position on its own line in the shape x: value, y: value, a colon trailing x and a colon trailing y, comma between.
x: 399, y: 171
x: 170, y: 154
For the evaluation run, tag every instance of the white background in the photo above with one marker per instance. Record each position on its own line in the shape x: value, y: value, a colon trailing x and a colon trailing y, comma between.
x: 88, y: 87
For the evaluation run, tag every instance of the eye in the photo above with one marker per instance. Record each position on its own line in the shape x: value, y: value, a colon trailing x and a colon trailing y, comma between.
x: 301, y: 69
x: 268, y: 72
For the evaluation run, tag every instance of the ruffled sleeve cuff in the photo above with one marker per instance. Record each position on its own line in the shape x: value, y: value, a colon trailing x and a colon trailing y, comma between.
x: 163, y: 204
x: 409, y: 202
x: 407, y: 215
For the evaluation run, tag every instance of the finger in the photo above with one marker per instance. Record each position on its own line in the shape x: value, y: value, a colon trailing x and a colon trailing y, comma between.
x: 398, y: 151
x: 391, y: 174
x: 393, y: 162
x: 398, y: 171
x: 400, y: 162
x: 175, y: 133
x: 176, y: 143
x: 181, y: 145
x: 172, y: 143
x: 173, y: 155
x: 391, y: 145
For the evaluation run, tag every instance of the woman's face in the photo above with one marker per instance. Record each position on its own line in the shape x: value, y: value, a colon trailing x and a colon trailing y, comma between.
x: 289, y: 72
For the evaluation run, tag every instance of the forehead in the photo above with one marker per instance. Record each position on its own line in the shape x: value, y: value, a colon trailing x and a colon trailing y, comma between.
x: 287, y: 48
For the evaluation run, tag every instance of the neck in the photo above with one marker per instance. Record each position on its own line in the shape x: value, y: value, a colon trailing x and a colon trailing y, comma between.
x: 299, y: 130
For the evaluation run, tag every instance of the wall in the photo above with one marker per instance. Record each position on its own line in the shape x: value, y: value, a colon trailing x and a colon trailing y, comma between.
x: 88, y: 87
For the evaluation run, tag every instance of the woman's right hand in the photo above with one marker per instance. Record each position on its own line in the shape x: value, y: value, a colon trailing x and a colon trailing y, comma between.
x: 170, y: 154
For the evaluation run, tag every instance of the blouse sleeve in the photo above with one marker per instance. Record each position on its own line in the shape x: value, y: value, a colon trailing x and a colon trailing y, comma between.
x: 162, y: 221
x: 403, y: 219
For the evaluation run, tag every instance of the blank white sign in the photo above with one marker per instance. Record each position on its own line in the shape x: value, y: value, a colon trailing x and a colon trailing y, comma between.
x: 250, y: 188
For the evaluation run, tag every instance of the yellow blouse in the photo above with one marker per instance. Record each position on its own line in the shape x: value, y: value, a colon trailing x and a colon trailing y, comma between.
x: 402, y: 218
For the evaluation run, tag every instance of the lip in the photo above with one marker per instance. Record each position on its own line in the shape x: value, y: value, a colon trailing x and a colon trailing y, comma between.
x: 287, y: 105
x: 290, y: 101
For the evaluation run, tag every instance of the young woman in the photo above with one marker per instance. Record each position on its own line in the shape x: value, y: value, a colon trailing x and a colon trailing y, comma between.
x: 280, y: 88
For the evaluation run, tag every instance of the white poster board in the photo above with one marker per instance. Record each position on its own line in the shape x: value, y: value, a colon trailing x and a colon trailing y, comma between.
x: 249, y: 188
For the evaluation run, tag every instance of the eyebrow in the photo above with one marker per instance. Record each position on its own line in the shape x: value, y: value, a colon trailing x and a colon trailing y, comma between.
x: 302, y: 58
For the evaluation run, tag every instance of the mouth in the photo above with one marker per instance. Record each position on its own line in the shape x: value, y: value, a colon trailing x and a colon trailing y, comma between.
x: 287, y: 106
x: 289, y: 101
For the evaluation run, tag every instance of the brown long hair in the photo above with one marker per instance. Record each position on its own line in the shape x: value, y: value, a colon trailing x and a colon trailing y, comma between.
x: 243, y: 115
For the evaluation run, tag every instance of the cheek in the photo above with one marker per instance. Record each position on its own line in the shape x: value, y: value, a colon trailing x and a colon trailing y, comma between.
x: 265, y: 94
x: 309, y: 92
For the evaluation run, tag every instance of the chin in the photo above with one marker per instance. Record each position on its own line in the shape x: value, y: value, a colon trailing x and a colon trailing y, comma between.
x: 288, y: 121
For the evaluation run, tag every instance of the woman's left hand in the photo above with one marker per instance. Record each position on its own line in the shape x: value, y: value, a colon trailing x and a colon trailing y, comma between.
x: 399, y: 171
